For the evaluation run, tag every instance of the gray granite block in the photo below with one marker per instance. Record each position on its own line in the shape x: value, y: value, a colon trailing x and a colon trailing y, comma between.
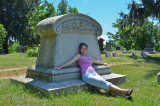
x: 64, y: 86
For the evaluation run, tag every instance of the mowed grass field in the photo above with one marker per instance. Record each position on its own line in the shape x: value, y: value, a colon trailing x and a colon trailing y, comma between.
x: 141, y: 76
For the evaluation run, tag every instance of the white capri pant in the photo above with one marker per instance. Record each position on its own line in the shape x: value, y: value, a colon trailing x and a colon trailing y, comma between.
x: 95, y: 79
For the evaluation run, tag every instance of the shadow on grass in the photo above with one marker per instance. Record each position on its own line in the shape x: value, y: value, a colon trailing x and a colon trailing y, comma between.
x: 148, y: 59
x: 151, y: 74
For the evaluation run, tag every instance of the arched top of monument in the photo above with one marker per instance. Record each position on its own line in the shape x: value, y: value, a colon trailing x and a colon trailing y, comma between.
x: 69, y: 23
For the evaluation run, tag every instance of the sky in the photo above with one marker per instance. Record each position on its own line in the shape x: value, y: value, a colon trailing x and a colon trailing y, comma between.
x: 104, y: 11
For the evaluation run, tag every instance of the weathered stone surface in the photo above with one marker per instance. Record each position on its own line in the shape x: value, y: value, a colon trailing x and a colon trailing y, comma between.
x: 118, y: 48
x: 67, y: 31
x: 158, y: 77
x: 22, y: 49
x: 65, y: 86
x: 64, y: 74
x: 145, y: 54
x: 100, y: 43
x: 115, y: 54
x: 134, y: 54
x: 108, y: 46
x: 149, y: 47
x: 108, y: 54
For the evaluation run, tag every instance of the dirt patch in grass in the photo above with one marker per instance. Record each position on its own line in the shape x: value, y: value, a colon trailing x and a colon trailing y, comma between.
x: 14, y: 68
x: 13, y: 73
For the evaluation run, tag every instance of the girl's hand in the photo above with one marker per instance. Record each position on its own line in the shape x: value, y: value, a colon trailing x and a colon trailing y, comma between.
x: 105, y: 64
x: 57, y: 68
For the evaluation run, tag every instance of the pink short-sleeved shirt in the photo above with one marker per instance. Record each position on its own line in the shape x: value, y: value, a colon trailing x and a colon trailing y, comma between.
x: 85, y: 64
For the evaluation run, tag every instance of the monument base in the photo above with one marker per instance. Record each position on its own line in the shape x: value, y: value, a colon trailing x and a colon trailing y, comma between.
x: 67, y: 86
x: 64, y: 74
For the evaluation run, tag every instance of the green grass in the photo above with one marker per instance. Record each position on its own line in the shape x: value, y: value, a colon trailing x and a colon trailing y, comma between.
x: 141, y: 76
x: 15, y: 60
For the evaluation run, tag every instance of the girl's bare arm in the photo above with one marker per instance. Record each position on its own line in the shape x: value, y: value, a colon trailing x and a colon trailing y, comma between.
x: 97, y: 61
x: 75, y: 58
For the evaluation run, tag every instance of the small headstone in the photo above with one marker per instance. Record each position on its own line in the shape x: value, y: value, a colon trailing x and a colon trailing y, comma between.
x: 108, y: 46
x: 23, y: 54
x: 123, y: 51
x: 134, y: 54
x: 145, y: 54
x: 22, y: 49
x: 100, y: 42
x: 114, y: 54
x: 108, y: 54
x: 158, y: 77
x: 118, y: 48
x: 2, y: 51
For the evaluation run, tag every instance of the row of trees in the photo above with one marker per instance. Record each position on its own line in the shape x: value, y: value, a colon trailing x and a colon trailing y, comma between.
x: 135, y: 28
x: 20, y: 17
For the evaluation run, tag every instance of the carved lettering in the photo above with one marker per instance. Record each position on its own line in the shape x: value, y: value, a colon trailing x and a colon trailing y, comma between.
x: 78, y: 25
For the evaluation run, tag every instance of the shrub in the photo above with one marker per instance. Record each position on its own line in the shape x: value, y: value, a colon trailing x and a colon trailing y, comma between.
x: 13, y: 48
x: 3, y: 35
x: 32, y: 52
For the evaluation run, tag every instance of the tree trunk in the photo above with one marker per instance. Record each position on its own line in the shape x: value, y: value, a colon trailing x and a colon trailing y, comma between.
x: 5, y: 46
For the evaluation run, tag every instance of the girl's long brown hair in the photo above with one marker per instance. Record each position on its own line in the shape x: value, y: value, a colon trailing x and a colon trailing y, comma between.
x: 82, y: 44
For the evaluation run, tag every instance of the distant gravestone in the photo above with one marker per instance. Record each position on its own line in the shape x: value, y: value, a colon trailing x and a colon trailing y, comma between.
x: 108, y: 46
x: 22, y: 49
x: 2, y: 51
x: 108, y: 54
x: 100, y: 42
x: 149, y: 47
x: 134, y: 54
x: 118, y: 48
x: 114, y: 54
x: 158, y: 77
x: 123, y: 51
x: 127, y: 51
x: 145, y: 54
x: 23, y: 54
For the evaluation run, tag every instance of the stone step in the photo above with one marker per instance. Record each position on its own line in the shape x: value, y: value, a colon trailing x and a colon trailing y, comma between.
x: 68, y: 73
x: 64, y: 86
x: 66, y: 70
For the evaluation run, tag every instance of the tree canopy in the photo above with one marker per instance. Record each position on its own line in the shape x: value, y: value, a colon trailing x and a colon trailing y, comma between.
x: 135, y: 28
x: 20, y: 18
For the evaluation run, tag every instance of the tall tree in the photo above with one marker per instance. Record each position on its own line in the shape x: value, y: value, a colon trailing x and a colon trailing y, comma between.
x: 3, y: 34
x: 64, y: 8
x: 14, y: 15
x: 44, y: 10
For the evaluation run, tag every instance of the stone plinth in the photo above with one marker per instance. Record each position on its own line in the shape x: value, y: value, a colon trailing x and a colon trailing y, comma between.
x: 67, y: 73
x: 67, y: 86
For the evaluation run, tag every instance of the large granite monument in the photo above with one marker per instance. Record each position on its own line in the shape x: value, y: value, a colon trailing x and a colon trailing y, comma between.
x: 61, y: 36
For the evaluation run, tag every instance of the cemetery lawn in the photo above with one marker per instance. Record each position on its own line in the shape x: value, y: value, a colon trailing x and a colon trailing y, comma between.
x: 141, y: 76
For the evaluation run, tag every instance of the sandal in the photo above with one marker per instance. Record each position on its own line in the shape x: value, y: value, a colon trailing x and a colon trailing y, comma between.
x: 129, y: 92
